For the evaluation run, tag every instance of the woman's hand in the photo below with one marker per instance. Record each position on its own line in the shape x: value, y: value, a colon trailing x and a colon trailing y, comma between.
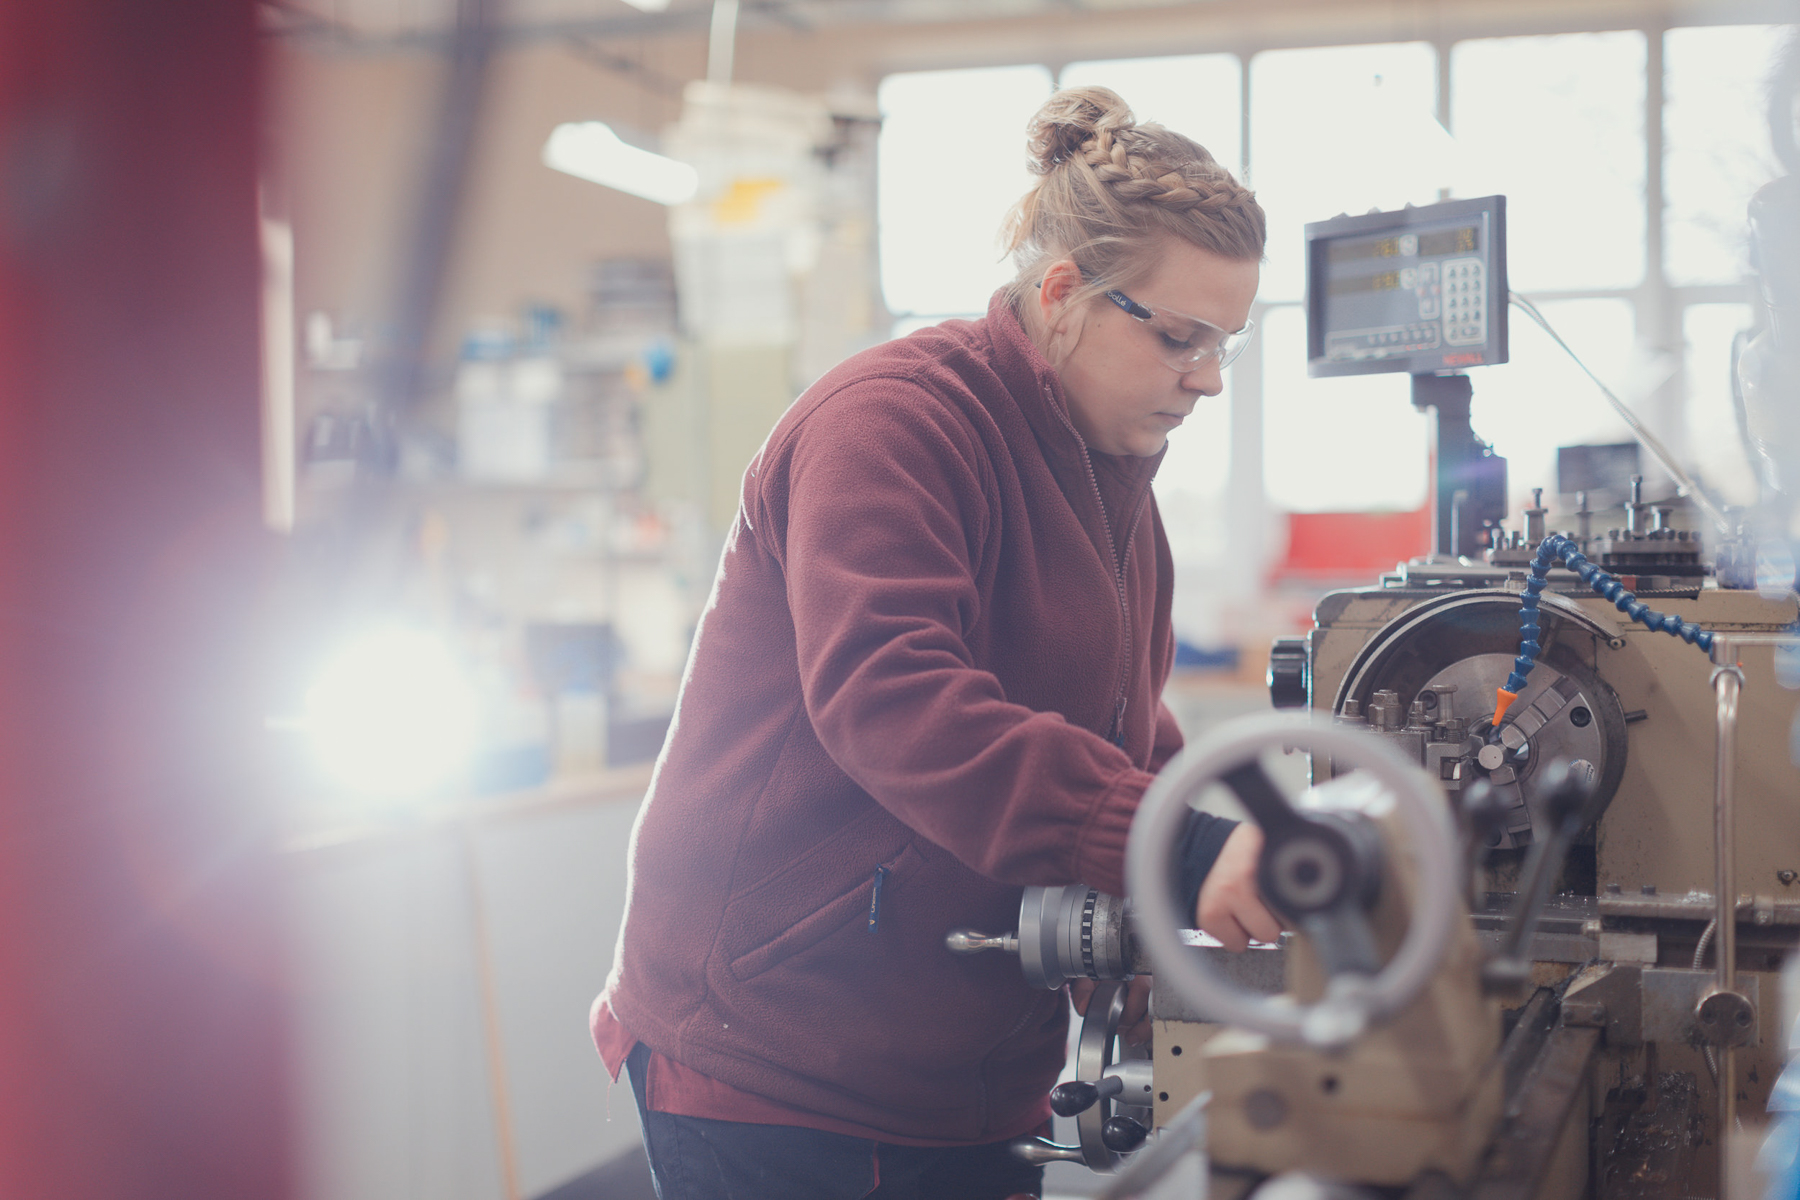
x: 1230, y: 907
x: 1134, y: 1022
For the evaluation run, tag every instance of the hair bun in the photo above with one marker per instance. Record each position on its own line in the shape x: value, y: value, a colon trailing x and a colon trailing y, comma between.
x: 1068, y: 120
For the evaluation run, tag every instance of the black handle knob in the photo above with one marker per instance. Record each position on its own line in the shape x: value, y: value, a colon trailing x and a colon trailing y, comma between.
x: 1122, y: 1135
x: 1565, y: 793
x: 1290, y: 671
x: 1078, y: 1095
x: 1485, y: 810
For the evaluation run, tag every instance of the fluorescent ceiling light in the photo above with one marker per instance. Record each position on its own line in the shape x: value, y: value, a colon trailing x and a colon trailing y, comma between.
x: 591, y: 150
x: 648, y: 5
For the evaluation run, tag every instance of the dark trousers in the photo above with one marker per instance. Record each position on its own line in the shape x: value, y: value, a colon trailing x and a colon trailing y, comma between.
x: 693, y: 1158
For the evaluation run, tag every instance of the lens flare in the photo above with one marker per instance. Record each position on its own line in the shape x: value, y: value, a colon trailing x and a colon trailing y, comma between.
x: 393, y: 714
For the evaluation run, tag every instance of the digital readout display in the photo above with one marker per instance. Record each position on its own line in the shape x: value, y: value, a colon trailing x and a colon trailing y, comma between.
x: 1397, y: 294
x: 1381, y: 281
x: 1464, y: 239
x: 1422, y: 289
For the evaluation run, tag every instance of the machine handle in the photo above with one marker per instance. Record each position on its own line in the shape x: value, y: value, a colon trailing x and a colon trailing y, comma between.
x: 1122, y: 1135
x: 1078, y: 1095
x: 1321, y: 871
x: 970, y: 941
x: 1039, y: 1151
x: 1310, y: 864
x: 1353, y: 999
x: 1565, y: 802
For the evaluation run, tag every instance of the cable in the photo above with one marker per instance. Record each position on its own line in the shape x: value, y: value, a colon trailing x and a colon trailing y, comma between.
x: 1706, y: 937
x: 1549, y: 550
x: 1684, y: 482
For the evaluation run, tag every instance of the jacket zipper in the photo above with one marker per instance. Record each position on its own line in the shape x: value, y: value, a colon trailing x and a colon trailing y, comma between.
x: 1116, y: 735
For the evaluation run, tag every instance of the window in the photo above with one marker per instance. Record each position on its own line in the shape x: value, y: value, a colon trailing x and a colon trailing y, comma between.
x: 1716, y: 146
x: 1714, y: 444
x: 1190, y: 484
x: 1541, y: 400
x: 1557, y: 124
x: 1200, y: 95
x: 1349, y: 443
x: 951, y: 162
x: 1312, y: 155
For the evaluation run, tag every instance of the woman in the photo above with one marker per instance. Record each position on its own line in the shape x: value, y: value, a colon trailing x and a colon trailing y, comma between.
x: 929, y: 675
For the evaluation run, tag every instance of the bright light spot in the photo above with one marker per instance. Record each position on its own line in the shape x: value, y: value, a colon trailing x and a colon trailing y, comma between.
x: 393, y: 714
x: 591, y: 150
x: 648, y: 5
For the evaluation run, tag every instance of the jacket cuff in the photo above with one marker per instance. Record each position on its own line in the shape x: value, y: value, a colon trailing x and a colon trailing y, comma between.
x: 1200, y: 845
x: 1100, y: 851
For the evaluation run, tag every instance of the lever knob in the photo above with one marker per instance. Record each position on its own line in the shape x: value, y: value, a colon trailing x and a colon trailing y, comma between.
x: 1078, y: 1095
x: 969, y: 941
x: 1040, y: 1151
x: 1122, y: 1135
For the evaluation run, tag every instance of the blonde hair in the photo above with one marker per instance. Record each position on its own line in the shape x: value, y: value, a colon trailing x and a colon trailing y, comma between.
x: 1110, y: 189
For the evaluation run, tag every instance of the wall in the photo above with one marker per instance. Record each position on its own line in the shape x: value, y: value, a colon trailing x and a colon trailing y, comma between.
x: 396, y: 1095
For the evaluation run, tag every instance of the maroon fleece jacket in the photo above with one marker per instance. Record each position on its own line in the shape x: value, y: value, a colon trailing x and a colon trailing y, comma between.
x: 935, y: 651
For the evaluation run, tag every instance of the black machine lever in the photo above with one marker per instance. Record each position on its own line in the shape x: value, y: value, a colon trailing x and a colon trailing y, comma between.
x: 1321, y: 870
x: 1078, y: 1095
x: 1564, y: 807
x: 1122, y: 1135
x: 1309, y: 863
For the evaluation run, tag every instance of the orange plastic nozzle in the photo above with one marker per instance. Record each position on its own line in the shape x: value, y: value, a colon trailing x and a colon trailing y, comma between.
x: 1502, y: 701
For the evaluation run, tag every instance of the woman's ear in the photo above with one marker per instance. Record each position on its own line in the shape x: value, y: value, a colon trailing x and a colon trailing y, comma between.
x: 1061, y: 280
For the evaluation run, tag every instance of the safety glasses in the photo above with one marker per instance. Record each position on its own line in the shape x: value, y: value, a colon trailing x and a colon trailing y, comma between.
x: 1184, y: 342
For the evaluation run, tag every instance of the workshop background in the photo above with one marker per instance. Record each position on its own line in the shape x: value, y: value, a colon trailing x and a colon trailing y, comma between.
x: 531, y: 282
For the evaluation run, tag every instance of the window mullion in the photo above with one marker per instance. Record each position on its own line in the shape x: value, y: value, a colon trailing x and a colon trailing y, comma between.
x: 1658, y: 319
x: 1246, y: 485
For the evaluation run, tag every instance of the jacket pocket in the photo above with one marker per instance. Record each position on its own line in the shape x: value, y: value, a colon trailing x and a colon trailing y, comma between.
x: 846, y: 910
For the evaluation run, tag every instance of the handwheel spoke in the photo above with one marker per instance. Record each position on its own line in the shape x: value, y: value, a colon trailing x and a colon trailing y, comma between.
x: 1327, y: 864
x: 1262, y: 798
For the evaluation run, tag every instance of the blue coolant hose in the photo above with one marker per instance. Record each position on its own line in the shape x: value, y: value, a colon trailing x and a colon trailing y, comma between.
x: 1549, y: 550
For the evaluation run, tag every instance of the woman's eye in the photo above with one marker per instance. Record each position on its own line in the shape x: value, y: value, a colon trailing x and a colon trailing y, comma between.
x: 1175, y: 343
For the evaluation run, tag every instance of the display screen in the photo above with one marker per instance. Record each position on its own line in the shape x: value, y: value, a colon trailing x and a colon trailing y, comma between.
x: 1417, y: 289
x: 1463, y: 239
x: 1381, y: 281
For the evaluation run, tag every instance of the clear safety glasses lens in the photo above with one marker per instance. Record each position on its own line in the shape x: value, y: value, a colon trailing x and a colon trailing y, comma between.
x: 1185, y: 342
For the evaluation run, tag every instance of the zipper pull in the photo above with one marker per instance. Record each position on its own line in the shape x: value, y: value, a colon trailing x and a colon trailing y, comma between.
x: 1117, y: 737
x: 881, y: 874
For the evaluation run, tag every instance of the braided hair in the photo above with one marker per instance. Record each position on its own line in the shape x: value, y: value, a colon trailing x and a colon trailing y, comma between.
x: 1109, y: 190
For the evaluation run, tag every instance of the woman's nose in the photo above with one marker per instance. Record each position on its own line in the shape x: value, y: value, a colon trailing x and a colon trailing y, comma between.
x: 1206, y: 378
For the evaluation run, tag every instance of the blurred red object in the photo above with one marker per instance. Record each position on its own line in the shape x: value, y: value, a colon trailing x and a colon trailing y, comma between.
x: 141, y: 1000
x: 1350, y: 548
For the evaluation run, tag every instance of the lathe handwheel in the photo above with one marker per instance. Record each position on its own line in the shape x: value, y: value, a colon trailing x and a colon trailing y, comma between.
x: 1093, y: 1056
x: 1351, y: 1000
